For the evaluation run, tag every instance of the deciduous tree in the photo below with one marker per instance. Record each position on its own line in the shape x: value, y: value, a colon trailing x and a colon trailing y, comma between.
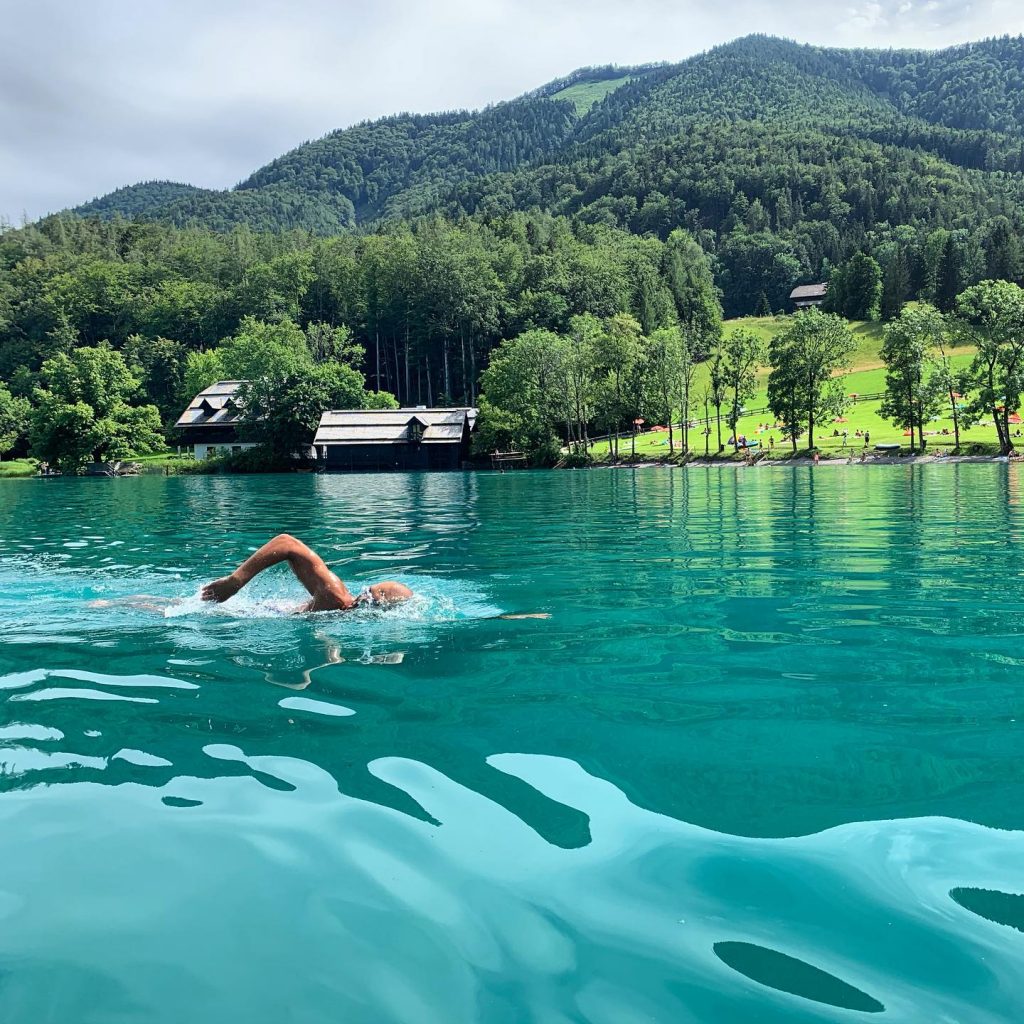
x: 742, y: 352
x: 909, y: 343
x: 82, y: 411
x: 805, y: 357
x: 991, y: 316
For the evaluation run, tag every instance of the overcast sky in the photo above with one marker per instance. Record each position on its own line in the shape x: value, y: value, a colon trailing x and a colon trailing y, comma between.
x: 95, y: 94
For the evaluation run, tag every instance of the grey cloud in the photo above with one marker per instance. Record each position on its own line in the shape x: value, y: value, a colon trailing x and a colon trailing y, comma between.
x: 98, y: 95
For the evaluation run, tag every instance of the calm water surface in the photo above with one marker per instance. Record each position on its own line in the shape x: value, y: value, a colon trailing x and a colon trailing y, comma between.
x: 765, y: 761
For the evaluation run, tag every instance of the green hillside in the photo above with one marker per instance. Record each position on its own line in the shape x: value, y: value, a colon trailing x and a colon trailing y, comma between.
x: 865, y: 379
x: 141, y: 200
x: 583, y: 95
x: 781, y: 159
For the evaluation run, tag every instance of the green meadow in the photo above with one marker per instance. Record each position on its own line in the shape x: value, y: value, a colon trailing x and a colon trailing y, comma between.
x: 585, y: 94
x: 866, y: 377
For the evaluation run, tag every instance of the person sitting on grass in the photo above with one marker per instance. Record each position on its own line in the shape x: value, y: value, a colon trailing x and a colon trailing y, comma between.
x: 327, y: 592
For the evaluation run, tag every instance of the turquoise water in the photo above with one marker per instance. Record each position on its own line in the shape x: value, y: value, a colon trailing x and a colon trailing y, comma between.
x: 762, y: 763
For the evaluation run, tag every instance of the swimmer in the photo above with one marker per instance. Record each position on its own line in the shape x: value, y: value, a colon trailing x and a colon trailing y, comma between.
x: 327, y: 592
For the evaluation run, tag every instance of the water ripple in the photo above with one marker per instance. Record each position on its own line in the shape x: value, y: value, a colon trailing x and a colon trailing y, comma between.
x: 761, y: 763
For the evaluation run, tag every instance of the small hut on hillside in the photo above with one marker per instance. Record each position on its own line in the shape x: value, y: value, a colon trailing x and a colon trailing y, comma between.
x: 210, y: 423
x: 395, y: 439
x: 804, y: 296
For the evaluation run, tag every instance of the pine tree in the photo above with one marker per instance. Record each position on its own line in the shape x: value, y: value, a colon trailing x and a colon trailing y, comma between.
x: 895, y: 285
x: 1002, y: 252
x: 949, y: 278
x: 863, y: 280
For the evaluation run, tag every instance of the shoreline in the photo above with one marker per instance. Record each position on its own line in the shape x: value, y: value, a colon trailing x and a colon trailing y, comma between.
x: 801, y: 460
x: 696, y: 463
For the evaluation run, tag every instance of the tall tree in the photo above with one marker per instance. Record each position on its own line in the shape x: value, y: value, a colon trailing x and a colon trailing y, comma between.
x: 523, y: 401
x: 581, y: 376
x: 863, y: 286
x: 691, y: 282
x: 14, y: 419
x: 742, y: 352
x: 82, y: 411
x: 787, y: 397
x: 159, y: 364
x: 1003, y: 261
x: 909, y: 342
x: 686, y: 377
x: 717, y: 386
x: 665, y: 356
x: 949, y: 275
x: 991, y: 316
x: 954, y: 382
x: 812, y: 349
x: 895, y: 285
x: 618, y: 353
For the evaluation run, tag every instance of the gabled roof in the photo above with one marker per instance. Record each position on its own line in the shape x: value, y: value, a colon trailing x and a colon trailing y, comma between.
x: 216, y: 405
x: 391, y: 426
x: 809, y: 291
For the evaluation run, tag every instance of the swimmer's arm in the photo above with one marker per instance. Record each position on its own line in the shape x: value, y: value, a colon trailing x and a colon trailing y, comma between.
x: 307, y: 565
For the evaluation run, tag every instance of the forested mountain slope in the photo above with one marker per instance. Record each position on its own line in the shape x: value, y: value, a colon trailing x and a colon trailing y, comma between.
x: 964, y: 104
x: 781, y: 159
x: 140, y: 200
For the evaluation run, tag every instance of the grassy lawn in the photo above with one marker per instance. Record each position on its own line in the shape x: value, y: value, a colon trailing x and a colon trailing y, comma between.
x: 167, y: 458
x: 29, y: 467
x: 18, y: 467
x: 586, y: 94
x: 867, y: 377
x: 866, y: 333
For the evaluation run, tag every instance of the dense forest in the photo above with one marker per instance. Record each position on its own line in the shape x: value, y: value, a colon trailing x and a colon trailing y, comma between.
x: 783, y: 160
x: 427, y: 300
x: 672, y: 193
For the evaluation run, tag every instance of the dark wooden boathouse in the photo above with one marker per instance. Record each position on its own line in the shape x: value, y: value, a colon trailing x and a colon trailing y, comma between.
x: 394, y: 439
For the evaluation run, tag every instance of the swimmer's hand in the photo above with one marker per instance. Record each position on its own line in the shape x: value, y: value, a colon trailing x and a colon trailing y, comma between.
x: 221, y: 590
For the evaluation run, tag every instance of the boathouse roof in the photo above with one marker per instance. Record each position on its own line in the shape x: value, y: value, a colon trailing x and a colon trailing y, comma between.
x: 394, y: 426
x: 215, y: 406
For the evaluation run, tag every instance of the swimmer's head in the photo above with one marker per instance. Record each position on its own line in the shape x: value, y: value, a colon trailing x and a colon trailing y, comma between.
x: 383, y: 595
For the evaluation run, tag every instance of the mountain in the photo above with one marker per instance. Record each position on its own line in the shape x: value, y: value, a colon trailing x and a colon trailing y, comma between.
x: 781, y: 159
x: 963, y: 105
x: 655, y: 191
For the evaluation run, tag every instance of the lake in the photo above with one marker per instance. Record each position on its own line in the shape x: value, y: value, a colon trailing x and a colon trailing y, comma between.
x: 764, y: 761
